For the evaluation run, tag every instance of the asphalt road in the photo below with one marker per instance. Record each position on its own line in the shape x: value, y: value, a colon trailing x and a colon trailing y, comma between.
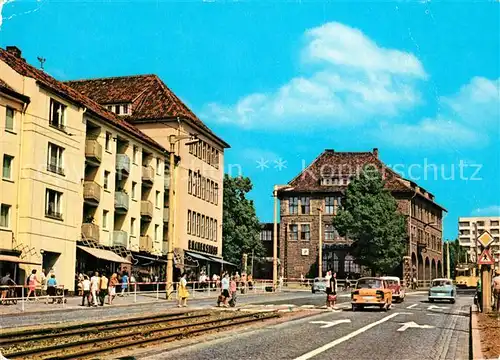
x: 414, y: 329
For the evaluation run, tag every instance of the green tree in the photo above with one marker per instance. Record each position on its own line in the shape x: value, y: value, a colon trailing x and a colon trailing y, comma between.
x: 457, y: 255
x: 370, y: 218
x: 241, y: 227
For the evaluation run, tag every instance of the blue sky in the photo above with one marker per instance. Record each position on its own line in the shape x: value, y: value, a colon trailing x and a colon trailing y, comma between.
x: 286, y: 80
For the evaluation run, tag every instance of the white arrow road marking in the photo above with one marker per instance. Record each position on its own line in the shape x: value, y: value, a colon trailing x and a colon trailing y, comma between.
x: 330, y: 323
x: 412, y: 306
x: 434, y: 307
x: 412, y: 324
x: 434, y: 314
x: 406, y: 313
x: 336, y: 342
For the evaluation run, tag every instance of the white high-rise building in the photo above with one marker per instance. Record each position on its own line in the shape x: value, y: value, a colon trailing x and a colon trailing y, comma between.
x: 467, y: 234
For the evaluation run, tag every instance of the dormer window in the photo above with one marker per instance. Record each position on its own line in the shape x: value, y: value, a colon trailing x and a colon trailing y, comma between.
x: 120, y: 109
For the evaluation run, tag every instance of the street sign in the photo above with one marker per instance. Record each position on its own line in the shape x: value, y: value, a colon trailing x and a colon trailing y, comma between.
x: 485, y: 258
x: 485, y: 239
x: 412, y: 324
x: 328, y: 324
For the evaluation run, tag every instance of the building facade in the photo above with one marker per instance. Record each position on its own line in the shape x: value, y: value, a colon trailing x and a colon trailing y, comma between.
x: 467, y: 235
x: 320, y: 188
x: 263, y: 266
x: 81, y: 189
x: 146, y: 102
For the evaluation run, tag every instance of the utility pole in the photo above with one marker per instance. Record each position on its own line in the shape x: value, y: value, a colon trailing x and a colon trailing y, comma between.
x: 320, y: 249
x: 448, y: 259
x: 275, y: 238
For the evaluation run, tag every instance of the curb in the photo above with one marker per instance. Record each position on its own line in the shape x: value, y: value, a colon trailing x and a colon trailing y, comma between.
x: 477, y: 353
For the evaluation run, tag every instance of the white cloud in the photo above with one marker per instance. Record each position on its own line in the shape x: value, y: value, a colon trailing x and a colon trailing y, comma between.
x: 2, y: 3
x: 353, y: 79
x: 493, y: 210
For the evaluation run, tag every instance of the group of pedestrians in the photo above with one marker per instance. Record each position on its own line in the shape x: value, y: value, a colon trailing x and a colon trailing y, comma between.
x: 95, y: 288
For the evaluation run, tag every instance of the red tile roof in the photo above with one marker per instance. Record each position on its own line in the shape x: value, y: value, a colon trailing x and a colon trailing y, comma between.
x: 344, y: 165
x: 10, y: 91
x: 23, y: 68
x: 151, y: 99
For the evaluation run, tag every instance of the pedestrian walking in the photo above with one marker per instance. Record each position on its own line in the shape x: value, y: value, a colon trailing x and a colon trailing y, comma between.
x: 125, y: 282
x: 183, y: 292
x: 94, y: 287
x: 43, y: 283
x: 331, y: 292
x: 496, y: 290
x: 103, y: 289
x: 479, y: 293
x: 86, y: 290
x: 224, y: 284
x: 233, y: 288
x: 51, y: 288
x: 32, y: 282
x: 4, y: 284
x: 113, y: 282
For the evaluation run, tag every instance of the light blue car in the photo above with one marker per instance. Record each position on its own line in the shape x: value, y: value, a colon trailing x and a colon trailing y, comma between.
x: 318, y: 285
x: 442, y: 289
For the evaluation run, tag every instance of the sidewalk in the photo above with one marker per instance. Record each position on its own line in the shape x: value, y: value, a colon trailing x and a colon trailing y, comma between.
x: 485, y: 330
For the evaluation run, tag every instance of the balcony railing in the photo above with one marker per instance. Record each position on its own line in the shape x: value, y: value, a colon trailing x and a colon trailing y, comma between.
x: 122, y: 164
x: 91, y: 192
x: 146, y: 242
x: 90, y: 232
x: 166, y: 214
x: 93, y: 150
x: 148, y: 174
x: 146, y: 209
x: 121, y: 201
x: 120, y: 238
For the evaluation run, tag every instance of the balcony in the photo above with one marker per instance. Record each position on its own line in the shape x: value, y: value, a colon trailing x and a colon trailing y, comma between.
x: 120, y: 238
x: 146, y: 243
x: 91, y: 193
x: 146, y: 209
x: 93, y: 151
x: 166, y: 214
x: 167, y: 182
x: 123, y: 164
x: 148, y: 175
x: 121, y: 202
x: 90, y: 232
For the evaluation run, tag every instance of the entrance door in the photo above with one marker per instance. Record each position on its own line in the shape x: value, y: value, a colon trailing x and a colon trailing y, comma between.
x: 49, y: 261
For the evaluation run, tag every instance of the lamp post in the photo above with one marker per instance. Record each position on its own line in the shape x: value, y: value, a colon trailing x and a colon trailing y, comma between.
x: 173, y: 139
x: 320, y: 249
x: 275, y: 233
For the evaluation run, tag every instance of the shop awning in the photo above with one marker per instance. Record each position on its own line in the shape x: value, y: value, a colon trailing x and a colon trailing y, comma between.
x: 221, y: 261
x: 15, y: 259
x: 104, y: 254
x: 197, y: 256
x: 150, y: 259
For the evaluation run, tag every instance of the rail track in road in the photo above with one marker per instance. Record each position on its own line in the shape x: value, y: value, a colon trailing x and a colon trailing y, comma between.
x: 97, y: 338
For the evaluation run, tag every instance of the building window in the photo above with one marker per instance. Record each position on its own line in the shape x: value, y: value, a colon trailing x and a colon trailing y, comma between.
x: 189, y: 222
x: 494, y: 231
x: 329, y: 205
x: 157, y: 200
x: 209, y: 155
x: 202, y: 226
x: 9, y: 118
x: 335, y: 262
x: 190, y: 182
x: 158, y: 166
x: 105, y: 219
x: 266, y: 235
x: 56, y: 116
x: 329, y: 232
x: 207, y: 191
x: 106, y: 180
x: 157, y: 232
x: 493, y: 222
x: 293, y: 206
x: 7, y: 167
x: 305, y: 205
x: 107, y: 144
x: 203, y: 192
x: 134, y: 188
x: 53, y: 204
x: 217, y: 159
x: 132, y: 226
x: 198, y: 149
x: 204, y: 152
x: 305, y: 232
x: 55, y: 159
x: 125, y: 109
x: 338, y: 204
x: 350, y: 266
x: 193, y: 223
x: 215, y: 230
x: 117, y: 109
x: 134, y: 155
x: 216, y: 194
x: 5, y: 216
x: 294, y: 231
x: 207, y: 222
x: 211, y: 198
x: 198, y: 185
x: 198, y: 224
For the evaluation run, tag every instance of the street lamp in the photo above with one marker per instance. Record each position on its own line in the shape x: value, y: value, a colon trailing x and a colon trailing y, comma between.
x: 275, y: 232
x: 173, y: 139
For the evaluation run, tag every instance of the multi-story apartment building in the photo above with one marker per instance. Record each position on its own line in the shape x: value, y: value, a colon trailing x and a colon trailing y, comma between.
x: 321, y: 187
x: 146, y: 102
x: 79, y: 186
x: 467, y: 234
x: 263, y: 267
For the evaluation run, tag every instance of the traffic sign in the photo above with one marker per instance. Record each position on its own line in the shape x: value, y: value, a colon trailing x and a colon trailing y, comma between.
x: 485, y: 258
x: 485, y: 239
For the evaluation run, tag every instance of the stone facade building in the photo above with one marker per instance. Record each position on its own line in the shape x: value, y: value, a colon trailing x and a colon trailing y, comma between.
x: 320, y: 188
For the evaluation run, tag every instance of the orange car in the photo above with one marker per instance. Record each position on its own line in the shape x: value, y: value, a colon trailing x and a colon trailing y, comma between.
x: 371, y: 291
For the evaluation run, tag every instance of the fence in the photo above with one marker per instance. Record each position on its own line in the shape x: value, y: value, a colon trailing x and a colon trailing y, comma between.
x: 15, y: 293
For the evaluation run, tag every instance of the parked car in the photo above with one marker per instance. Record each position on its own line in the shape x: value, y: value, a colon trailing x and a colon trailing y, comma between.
x: 442, y: 289
x: 371, y: 291
x: 318, y: 285
x: 398, y: 290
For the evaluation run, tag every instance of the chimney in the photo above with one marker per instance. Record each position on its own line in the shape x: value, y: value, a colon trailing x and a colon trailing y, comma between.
x: 330, y: 150
x: 14, y: 50
x: 375, y: 152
